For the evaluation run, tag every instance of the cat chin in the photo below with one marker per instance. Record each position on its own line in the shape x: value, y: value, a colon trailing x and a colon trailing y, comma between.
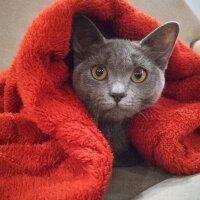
x: 115, y: 115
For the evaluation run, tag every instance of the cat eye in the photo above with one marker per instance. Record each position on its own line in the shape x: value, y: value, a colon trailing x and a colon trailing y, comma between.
x: 99, y: 72
x: 139, y: 75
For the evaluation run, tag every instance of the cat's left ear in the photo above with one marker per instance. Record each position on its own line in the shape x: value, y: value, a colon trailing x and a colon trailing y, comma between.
x: 85, y: 34
x: 160, y: 43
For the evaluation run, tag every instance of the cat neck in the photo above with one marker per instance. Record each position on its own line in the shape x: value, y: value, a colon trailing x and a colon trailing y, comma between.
x: 112, y: 125
x: 116, y: 134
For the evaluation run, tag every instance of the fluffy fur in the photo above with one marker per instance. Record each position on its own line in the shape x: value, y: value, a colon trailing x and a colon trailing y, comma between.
x: 113, y: 101
x: 50, y: 148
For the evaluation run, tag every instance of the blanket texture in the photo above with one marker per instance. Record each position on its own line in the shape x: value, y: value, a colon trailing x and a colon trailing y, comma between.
x: 50, y: 148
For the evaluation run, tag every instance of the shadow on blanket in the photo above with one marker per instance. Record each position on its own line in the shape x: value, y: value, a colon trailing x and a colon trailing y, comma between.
x: 50, y: 147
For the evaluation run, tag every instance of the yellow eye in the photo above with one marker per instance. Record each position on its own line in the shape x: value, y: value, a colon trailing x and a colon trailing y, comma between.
x: 139, y: 75
x: 99, y: 72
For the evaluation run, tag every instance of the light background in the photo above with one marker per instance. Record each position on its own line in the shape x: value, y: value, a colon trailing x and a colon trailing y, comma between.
x: 17, y: 15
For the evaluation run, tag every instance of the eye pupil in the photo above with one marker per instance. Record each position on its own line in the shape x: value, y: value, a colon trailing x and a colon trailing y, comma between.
x: 99, y: 71
x: 138, y: 74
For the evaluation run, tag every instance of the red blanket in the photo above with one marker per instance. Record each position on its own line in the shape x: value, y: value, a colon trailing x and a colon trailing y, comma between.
x: 50, y: 149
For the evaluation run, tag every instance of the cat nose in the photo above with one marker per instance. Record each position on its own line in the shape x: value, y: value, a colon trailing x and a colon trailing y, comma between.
x: 118, y: 96
x: 118, y: 91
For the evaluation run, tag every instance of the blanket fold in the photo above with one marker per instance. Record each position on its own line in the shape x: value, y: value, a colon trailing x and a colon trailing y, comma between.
x: 50, y: 148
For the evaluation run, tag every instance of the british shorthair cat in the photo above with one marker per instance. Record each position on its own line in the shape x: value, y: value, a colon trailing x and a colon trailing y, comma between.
x: 118, y: 78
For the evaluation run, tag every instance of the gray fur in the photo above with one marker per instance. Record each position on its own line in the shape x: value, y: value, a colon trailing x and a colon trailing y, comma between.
x: 120, y: 57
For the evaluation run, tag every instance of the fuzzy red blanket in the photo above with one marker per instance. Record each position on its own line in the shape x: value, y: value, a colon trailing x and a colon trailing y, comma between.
x: 49, y: 146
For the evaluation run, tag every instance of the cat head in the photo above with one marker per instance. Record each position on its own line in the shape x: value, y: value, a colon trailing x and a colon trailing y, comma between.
x: 117, y: 78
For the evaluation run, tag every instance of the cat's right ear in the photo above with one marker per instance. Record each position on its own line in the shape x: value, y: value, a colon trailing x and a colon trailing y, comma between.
x: 161, y: 42
x: 85, y: 34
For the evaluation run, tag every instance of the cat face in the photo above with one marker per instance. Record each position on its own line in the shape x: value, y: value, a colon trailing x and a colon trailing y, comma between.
x: 118, y: 78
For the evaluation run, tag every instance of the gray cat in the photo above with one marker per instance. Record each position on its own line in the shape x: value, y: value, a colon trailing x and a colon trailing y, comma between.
x: 118, y: 78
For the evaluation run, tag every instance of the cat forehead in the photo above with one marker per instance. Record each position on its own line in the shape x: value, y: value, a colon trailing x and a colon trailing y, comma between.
x: 122, y: 47
x: 120, y: 54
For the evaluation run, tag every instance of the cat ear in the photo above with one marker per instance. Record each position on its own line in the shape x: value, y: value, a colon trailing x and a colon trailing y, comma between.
x: 160, y: 43
x: 85, y: 34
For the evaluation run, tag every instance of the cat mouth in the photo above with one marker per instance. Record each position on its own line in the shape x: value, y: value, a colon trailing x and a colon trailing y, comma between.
x: 116, y: 109
x: 116, y: 106
x: 120, y: 111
